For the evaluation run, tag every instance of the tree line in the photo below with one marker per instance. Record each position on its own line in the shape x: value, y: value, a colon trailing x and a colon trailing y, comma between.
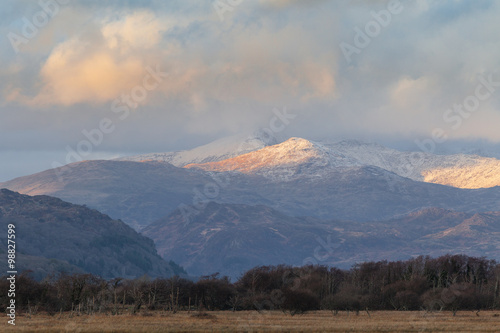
x: 451, y: 282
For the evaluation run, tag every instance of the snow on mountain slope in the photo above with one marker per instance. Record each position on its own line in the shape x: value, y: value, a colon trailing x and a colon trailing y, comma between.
x: 261, y: 154
x: 215, y: 151
x: 484, y: 173
x: 298, y: 157
x: 458, y: 170
x: 293, y: 158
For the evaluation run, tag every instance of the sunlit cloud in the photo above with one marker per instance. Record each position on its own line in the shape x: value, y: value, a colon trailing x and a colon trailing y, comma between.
x: 98, y: 77
x: 139, y: 30
x: 96, y: 66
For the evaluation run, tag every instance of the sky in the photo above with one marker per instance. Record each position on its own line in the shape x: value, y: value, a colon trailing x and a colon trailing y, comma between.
x: 102, y: 79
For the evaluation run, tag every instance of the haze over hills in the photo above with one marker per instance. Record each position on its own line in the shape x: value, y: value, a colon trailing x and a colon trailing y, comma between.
x: 54, y: 236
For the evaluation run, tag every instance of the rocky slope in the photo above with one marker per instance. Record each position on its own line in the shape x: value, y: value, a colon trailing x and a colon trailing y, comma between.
x: 231, y: 238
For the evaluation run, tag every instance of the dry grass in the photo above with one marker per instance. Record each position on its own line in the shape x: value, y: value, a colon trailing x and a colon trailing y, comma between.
x: 251, y: 321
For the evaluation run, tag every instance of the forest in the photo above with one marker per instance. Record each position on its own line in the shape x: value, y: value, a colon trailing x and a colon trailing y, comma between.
x: 450, y: 282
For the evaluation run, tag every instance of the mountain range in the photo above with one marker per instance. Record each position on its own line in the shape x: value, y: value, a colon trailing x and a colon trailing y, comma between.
x: 231, y: 238
x: 297, y: 177
x: 256, y: 154
x: 298, y: 157
x: 238, y: 190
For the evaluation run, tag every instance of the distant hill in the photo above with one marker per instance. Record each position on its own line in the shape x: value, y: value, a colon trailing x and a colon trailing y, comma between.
x: 232, y: 238
x: 53, y: 235
x: 137, y: 193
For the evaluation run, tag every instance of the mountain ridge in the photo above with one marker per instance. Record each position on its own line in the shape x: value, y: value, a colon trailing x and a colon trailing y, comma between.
x: 458, y: 170
x: 77, y: 239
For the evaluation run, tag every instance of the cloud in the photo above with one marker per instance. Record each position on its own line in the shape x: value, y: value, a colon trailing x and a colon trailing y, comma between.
x: 413, y: 94
x: 98, y: 76
x: 260, y: 62
x: 139, y: 30
x: 280, y: 4
x: 96, y: 66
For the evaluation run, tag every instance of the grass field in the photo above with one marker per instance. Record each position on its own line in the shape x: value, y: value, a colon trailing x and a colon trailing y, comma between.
x: 252, y: 321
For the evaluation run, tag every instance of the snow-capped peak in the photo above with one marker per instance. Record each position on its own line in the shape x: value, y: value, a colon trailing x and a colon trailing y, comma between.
x: 262, y: 154
x: 285, y: 161
x: 299, y: 157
